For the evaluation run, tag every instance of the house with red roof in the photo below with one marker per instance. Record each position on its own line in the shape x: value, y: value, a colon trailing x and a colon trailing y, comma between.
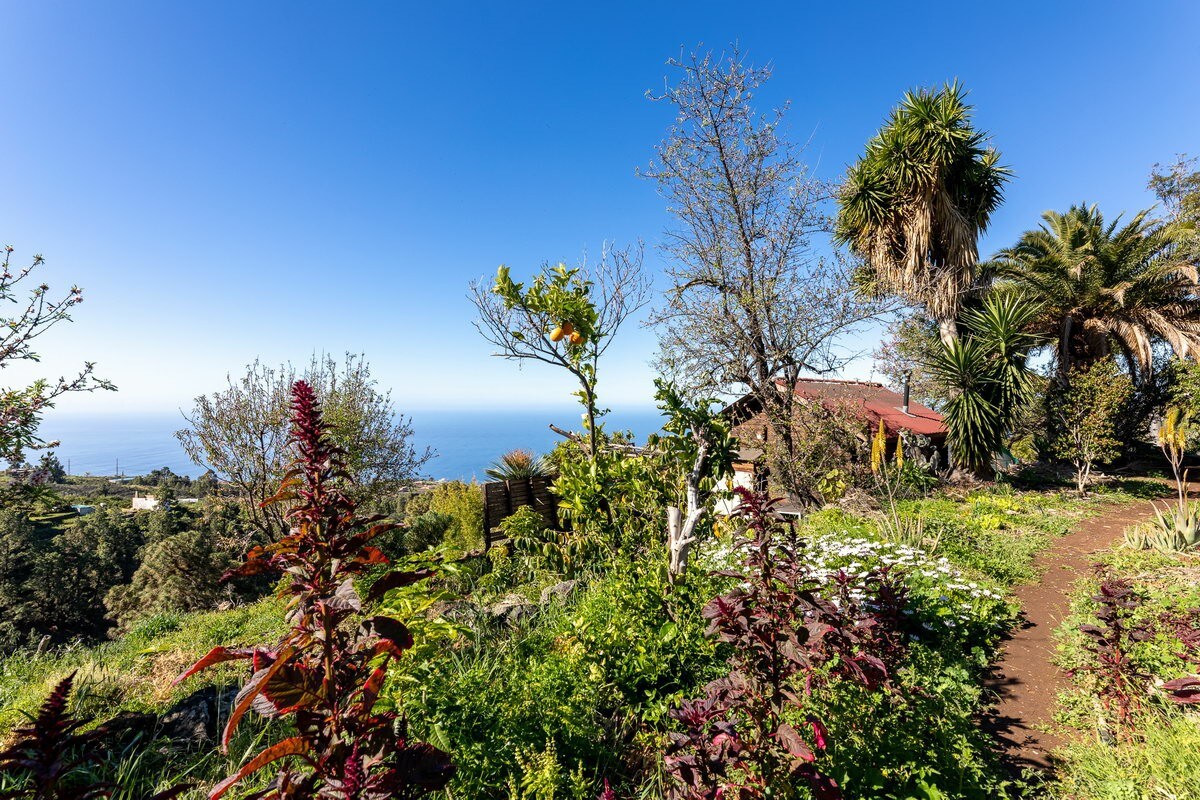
x: 923, y: 428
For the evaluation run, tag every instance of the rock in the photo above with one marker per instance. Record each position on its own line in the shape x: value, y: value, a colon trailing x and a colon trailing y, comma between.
x: 193, y: 720
x: 512, y: 609
x: 464, y: 612
x: 559, y: 591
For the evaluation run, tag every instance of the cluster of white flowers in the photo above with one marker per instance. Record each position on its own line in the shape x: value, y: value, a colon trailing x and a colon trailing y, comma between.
x: 940, y: 594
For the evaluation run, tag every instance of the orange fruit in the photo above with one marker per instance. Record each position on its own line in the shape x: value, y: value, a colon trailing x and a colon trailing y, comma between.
x: 576, y: 338
x: 557, y: 334
x: 568, y: 328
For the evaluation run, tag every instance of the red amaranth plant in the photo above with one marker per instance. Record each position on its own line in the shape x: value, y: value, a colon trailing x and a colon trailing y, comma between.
x: 739, y: 740
x: 325, y: 672
x: 1184, y: 627
x: 1120, y: 684
x: 52, y: 757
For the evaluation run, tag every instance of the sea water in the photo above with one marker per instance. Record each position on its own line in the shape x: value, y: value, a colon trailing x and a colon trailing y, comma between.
x: 466, y: 442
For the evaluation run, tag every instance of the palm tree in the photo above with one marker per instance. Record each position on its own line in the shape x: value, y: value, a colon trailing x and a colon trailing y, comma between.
x: 1107, y: 288
x: 516, y: 465
x: 987, y: 377
x: 913, y: 206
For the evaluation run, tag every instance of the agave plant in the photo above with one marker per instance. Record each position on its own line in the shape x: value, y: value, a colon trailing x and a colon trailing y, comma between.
x: 1175, y: 529
x: 518, y: 465
x: 1183, y: 521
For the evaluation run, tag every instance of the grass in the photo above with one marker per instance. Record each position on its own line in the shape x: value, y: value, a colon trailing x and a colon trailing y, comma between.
x: 997, y: 532
x: 135, y: 672
x: 1162, y: 762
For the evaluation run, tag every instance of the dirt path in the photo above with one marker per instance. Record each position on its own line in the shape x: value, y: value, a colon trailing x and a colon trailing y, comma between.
x: 1025, y: 681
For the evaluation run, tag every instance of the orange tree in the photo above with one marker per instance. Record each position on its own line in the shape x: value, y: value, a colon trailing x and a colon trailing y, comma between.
x: 565, y: 317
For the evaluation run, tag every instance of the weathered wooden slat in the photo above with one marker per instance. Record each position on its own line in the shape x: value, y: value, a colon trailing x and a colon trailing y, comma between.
x: 501, y: 499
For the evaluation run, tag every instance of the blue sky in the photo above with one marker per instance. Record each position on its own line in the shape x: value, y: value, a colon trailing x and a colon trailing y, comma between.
x: 237, y: 179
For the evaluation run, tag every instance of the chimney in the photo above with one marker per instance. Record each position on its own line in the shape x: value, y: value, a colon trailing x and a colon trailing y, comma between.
x: 907, y: 389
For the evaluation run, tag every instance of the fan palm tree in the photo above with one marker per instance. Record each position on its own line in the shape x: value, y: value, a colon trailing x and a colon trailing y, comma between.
x: 1107, y: 288
x: 987, y: 377
x: 913, y: 206
x: 516, y: 465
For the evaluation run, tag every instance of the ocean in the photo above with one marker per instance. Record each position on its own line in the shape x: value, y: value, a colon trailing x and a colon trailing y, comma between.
x: 467, y: 442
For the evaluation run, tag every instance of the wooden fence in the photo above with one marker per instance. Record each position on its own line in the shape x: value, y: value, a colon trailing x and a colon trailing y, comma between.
x: 502, y: 498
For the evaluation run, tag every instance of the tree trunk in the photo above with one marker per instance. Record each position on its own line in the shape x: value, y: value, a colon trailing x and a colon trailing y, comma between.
x: 948, y: 331
x: 681, y: 532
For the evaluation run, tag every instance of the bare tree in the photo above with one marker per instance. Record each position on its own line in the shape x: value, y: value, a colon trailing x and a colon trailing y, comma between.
x: 752, y: 305
x: 602, y: 296
x: 241, y: 432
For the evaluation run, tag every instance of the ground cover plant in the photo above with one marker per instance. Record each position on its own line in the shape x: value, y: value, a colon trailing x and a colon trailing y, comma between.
x: 1132, y: 646
x: 582, y: 689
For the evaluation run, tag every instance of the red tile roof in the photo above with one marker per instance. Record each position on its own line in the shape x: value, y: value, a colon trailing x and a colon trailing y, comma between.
x: 878, y: 402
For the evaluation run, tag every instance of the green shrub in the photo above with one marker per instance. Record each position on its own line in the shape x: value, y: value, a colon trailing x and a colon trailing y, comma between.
x: 463, y: 502
x: 920, y: 741
x: 427, y: 530
x: 582, y: 680
x: 542, y: 549
x: 181, y: 572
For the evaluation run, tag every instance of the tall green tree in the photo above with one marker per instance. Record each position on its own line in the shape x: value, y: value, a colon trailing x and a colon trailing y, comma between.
x: 913, y: 206
x: 181, y: 572
x: 1107, y: 288
x: 1177, y: 186
x: 987, y: 378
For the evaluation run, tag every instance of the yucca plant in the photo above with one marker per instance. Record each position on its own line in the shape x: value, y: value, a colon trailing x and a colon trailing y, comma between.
x: 987, y: 376
x: 913, y: 206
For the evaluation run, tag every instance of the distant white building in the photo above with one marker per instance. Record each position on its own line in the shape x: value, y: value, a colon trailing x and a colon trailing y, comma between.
x: 144, y: 503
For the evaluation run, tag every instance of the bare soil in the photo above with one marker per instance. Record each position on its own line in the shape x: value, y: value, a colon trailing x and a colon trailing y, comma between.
x: 1025, y: 680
